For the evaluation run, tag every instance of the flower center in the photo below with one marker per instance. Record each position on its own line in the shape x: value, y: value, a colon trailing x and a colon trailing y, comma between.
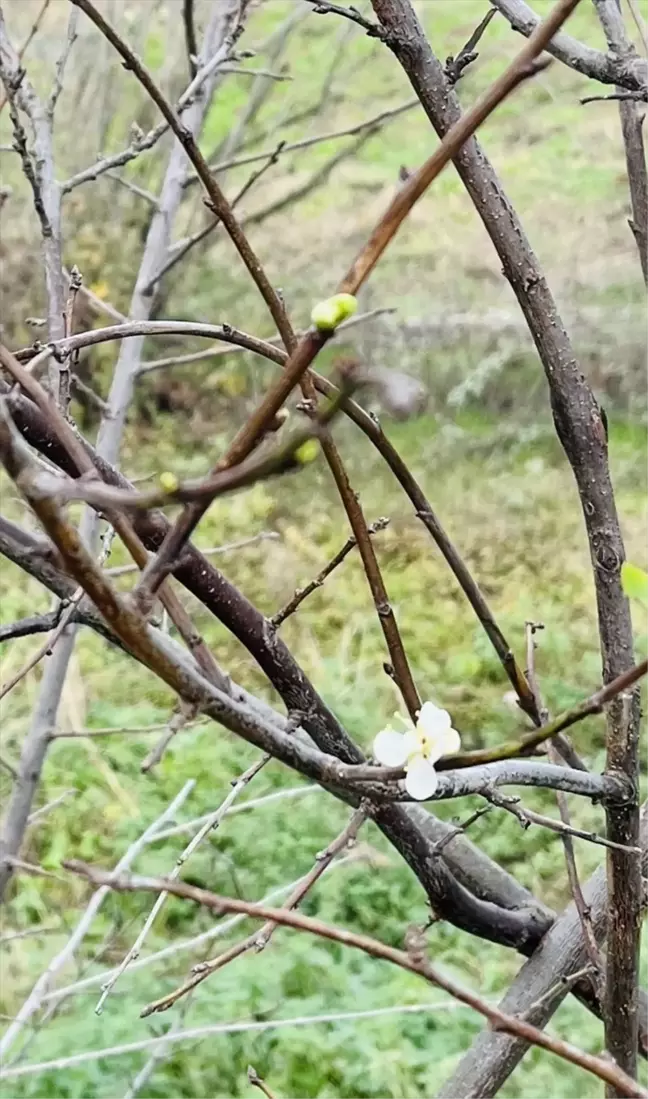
x: 425, y: 743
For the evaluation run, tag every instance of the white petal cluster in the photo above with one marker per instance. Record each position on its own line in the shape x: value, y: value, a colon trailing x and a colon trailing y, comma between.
x: 418, y: 749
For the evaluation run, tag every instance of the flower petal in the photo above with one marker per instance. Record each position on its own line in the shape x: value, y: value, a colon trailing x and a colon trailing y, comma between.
x: 421, y: 780
x: 449, y: 742
x: 390, y: 748
x: 412, y: 743
x: 432, y: 720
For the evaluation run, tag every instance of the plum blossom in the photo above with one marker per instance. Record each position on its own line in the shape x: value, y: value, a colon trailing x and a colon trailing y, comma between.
x: 418, y: 749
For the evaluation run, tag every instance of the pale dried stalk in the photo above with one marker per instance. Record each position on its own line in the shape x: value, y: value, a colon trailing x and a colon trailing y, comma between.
x: 43, y: 985
x: 210, y: 825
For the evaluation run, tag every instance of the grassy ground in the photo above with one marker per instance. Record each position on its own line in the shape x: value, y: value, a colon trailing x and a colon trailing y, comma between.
x: 500, y: 484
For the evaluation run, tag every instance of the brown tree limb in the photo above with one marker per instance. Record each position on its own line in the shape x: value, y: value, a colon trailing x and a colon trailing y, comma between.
x: 537, y: 991
x: 414, y: 962
x: 254, y: 428
x: 306, y: 351
x: 581, y: 432
x: 477, y: 873
x: 449, y: 895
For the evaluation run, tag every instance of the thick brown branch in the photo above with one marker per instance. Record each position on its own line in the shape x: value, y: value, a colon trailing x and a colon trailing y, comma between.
x: 579, y: 426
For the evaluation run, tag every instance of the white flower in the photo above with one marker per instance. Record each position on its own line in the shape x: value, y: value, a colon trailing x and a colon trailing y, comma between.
x: 418, y: 749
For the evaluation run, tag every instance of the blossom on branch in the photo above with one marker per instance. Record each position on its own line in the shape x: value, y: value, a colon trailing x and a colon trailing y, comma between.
x: 418, y: 749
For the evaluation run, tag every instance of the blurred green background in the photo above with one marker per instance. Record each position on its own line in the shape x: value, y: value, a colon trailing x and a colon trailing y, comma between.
x: 485, y: 452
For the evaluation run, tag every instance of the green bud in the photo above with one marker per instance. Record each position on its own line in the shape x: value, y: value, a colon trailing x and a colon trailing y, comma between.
x: 168, y: 481
x: 327, y: 315
x: 307, y: 452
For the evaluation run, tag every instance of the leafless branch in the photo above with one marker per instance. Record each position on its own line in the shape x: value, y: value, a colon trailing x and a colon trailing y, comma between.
x: 210, y: 826
x: 576, y: 414
x: 31, y: 34
x: 455, y: 66
x: 414, y: 963
x: 182, y: 716
x: 628, y: 73
x: 71, y: 37
x: 307, y: 142
x: 44, y: 983
x: 611, y: 19
x: 302, y: 593
x: 537, y: 991
x: 39, y: 170
x: 128, y: 185
x: 324, y: 7
x: 258, y: 940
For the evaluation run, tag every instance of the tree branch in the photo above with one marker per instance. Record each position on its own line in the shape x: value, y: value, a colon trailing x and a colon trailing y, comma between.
x: 578, y: 424
x: 611, y: 19
x: 629, y: 73
x: 537, y: 991
x: 414, y: 962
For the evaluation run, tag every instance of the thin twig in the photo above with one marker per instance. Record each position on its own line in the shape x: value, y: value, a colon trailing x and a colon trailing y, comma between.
x: 308, y: 142
x: 181, y: 250
x: 183, y: 716
x: 566, y: 833
x: 142, y: 142
x: 193, y: 1034
x: 256, y: 1081
x: 139, y: 192
x: 258, y: 940
x: 632, y: 97
x: 108, y: 730
x: 71, y: 37
x: 63, y: 618
x: 302, y: 593
x: 31, y: 869
x: 413, y: 963
x: 640, y: 24
x: 325, y: 7
x: 209, y: 826
x: 458, y: 830
x: 43, y: 985
x: 272, y: 341
x: 455, y: 66
x: 38, y: 814
x: 592, y: 705
x: 217, y: 931
x: 32, y: 32
x: 130, y: 329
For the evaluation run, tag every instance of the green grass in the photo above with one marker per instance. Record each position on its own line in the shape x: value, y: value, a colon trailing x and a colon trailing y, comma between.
x: 486, y: 455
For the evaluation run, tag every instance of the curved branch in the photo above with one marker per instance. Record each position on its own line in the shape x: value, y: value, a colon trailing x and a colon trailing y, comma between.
x: 626, y: 72
x: 225, y: 333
